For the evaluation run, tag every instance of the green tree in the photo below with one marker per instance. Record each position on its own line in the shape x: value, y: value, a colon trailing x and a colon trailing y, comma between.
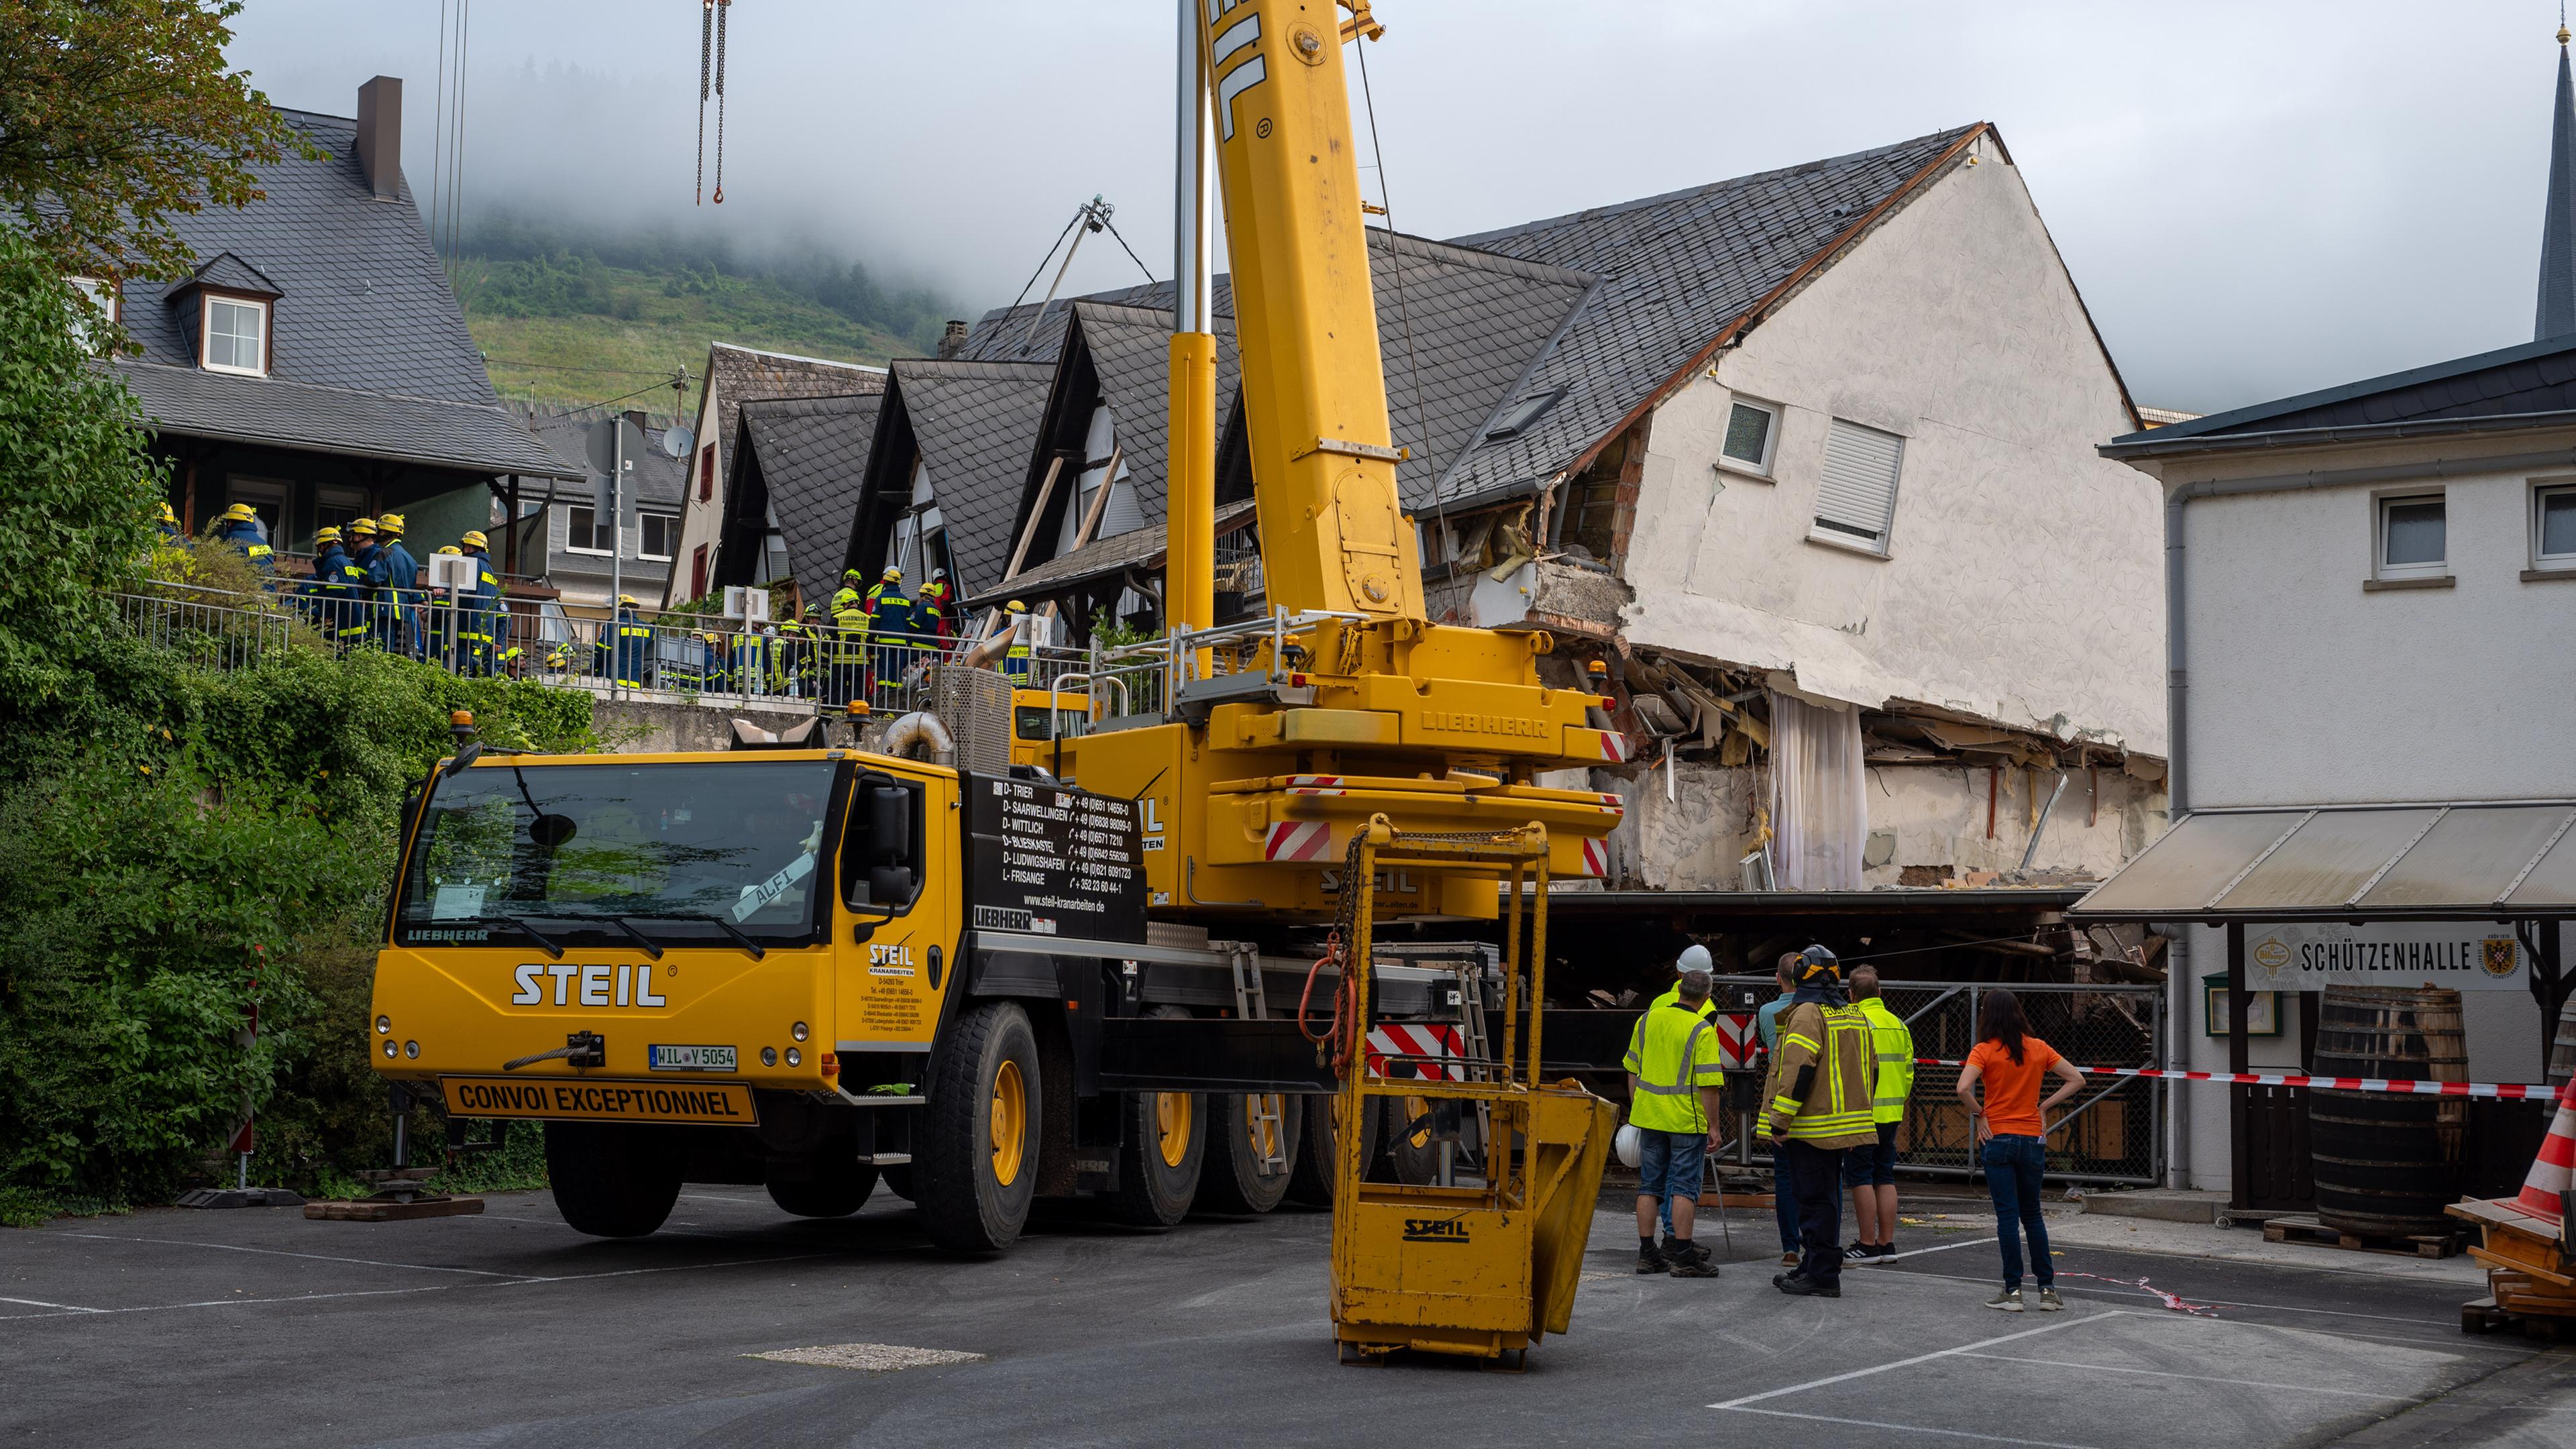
x: 115, y: 117
x: 80, y: 481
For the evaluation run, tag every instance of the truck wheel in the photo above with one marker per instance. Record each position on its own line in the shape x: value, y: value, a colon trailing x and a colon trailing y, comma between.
x: 1310, y: 1180
x: 1164, y: 1146
x: 975, y: 1159
x: 611, y: 1179
x: 837, y: 1189
x: 1413, y: 1156
x: 1236, y: 1179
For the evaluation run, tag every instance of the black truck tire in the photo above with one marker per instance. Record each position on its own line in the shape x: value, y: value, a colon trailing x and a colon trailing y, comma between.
x: 612, y: 1179
x: 1310, y: 1180
x: 975, y: 1155
x: 1234, y: 1179
x: 1159, y: 1159
x: 838, y: 1188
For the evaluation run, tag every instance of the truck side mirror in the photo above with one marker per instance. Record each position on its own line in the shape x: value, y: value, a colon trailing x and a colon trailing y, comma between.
x: 889, y: 817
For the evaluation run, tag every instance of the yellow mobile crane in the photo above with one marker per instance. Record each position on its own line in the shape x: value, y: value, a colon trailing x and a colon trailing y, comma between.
x: 816, y: 968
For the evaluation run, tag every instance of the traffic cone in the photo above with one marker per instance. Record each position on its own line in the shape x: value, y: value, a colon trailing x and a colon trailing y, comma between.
x: 2553, y: 1172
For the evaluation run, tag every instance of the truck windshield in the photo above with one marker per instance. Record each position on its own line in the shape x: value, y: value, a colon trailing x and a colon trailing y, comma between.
x: 565, y: 853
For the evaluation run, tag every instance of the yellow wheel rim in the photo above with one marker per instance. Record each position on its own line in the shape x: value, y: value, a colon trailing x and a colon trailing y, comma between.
x: 1265, y: 1135
x: 1172, y: 1126
x: 1010, y: 1122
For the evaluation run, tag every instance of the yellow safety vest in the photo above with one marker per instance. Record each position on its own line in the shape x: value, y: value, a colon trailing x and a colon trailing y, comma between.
x: 1673, y: 1054
x: 1894, y: 1042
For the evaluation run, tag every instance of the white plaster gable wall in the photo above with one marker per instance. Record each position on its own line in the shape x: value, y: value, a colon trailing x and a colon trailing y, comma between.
x: 2306, y: 690
x: 700, y: 522
x: 2024, y: 578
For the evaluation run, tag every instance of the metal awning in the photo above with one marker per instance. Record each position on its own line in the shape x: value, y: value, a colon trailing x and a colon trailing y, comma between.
x: 2484, y: 861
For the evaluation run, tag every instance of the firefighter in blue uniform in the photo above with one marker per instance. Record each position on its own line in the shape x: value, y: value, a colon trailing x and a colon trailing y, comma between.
x: 402, y: 597
x: 170, y: 525
x: 241, y: 528
x: 368, y: 553
x: 629, y: 646
x: 482, y: 606
x: 320, y: 596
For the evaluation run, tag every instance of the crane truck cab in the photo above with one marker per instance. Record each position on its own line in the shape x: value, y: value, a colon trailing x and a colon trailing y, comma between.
x: 806, y: 969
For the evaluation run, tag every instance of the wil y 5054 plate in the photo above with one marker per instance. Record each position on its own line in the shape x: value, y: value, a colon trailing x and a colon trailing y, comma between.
x: 690, y: 1058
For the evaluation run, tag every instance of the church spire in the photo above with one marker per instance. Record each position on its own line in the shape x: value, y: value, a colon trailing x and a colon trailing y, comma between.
x: 2556, y: 315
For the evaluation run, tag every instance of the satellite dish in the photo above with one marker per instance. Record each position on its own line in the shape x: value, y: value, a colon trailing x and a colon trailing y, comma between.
x: 676, y: 441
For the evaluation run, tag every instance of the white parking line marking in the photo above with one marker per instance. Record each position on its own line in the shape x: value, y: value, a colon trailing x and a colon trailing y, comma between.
x: 2104, y: 1368
x: 1922, y: 1358
x: 40, y: 1303
x: 1943, y: 1248
x: 282, y: 1253
x: 2214, y: 1302
x: 1911, y: 1428
x: 236, y: 1302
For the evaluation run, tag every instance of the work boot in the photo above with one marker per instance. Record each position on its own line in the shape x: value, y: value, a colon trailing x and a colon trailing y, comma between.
x: 1651, y: 1259
x: 1693, y: 1261
x: 2049, y: 1302
x: 2009, y: 1300
x: 1799, y: 1285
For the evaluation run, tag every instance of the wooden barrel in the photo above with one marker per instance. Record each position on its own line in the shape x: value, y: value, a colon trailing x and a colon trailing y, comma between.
x: 2562, y: 1049
x: 2387, y: 1163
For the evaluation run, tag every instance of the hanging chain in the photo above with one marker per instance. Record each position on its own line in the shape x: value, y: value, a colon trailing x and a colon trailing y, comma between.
x: 723, y: 8
x: 706, y: 49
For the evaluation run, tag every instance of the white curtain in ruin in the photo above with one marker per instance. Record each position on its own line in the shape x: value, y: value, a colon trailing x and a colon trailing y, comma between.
x: 1819, y: 811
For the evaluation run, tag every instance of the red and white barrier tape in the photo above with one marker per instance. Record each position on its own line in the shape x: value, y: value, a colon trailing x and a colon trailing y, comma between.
x: 2509, y: 1091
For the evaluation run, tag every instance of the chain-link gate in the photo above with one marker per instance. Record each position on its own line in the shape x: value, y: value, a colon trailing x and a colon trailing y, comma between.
x: 2111, y: 1131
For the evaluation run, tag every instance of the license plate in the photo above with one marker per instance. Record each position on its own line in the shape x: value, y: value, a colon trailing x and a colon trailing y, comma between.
x: 690, y: 1058
x: 571, y: 1099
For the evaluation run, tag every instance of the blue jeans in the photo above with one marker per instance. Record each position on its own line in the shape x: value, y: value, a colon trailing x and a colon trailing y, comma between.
x: 1670, y: 1165
x: 2014, y: 1166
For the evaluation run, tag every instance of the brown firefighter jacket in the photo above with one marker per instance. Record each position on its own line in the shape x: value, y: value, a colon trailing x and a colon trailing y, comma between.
x: 1824, y: 1073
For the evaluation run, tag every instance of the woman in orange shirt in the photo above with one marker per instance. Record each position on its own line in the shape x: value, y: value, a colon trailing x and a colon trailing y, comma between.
x: 2012, y: 1135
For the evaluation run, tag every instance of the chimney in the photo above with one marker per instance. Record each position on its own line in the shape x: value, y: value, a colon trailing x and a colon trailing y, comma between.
x: 953, y: 341
x: 380, y: 135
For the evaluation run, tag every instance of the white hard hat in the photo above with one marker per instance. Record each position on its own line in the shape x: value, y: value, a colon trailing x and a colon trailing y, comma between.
x: 1694, y: 957
x: 1629, y: 1143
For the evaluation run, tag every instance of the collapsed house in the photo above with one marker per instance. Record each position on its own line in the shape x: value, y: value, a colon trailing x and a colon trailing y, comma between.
x: 1804, y: 461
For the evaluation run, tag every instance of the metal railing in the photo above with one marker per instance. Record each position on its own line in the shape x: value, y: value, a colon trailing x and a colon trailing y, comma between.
x: 2111, y: 1131
x: 718, y: 660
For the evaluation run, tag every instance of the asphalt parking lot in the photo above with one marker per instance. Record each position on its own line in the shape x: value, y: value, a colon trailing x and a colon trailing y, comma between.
x: 508, y: 1329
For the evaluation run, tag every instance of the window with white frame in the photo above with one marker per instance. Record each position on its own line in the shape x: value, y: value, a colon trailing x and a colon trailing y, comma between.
x: 236, y: 335
x: 2553, y: 528
x: 1752, y: 430
x: 661, y: 535
x: 582, y: 533
x: 2412, y: 542
x: 103, y: 299
x: 1856, y: 496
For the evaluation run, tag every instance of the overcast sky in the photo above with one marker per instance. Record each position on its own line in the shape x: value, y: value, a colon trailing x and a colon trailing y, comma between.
x: 2254, y: 198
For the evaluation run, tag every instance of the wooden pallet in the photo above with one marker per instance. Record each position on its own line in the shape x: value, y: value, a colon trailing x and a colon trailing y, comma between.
x: 2488, y: 1315
x: 2306, y: 1229
x: 385, y: 1208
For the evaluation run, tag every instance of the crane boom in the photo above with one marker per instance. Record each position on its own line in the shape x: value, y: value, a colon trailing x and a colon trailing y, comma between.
x: 1333, y: 529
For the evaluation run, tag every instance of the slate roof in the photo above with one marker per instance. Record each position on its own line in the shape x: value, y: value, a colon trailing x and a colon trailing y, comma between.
x: 1138, y: 548
x: 810, y: 454
x: 1676, y: 269
x: 565, y: 433
x: 193, y: 402
x: 2524, y: 385
x: 226, y: 272
x: 371, y: 353
x: 1457, y: 328
x: 976, y: 426
x: 745, y: 374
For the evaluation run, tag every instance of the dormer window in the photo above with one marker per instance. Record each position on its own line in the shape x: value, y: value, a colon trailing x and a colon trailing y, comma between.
x: 236, y: 333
